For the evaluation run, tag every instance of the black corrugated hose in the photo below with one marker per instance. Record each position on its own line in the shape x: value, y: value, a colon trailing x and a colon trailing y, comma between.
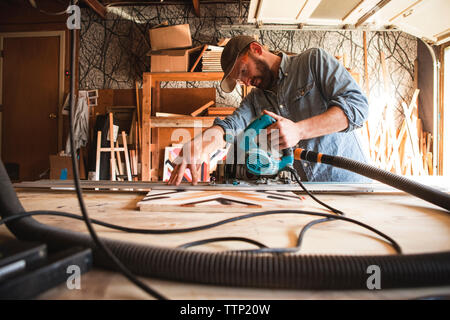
x: 419, y: 190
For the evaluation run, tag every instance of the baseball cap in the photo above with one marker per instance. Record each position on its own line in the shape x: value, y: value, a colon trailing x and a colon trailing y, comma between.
x: 228, y: 59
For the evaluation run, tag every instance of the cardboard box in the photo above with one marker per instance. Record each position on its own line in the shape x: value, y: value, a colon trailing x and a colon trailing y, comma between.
x: 178, y: 36
x: 177, y: 60
x: 61, y: 168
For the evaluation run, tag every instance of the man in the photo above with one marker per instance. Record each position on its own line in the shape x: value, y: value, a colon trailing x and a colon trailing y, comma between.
x: 314, y: 100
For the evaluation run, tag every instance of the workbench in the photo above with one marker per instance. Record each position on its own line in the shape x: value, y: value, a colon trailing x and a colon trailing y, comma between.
x: 418, y: 227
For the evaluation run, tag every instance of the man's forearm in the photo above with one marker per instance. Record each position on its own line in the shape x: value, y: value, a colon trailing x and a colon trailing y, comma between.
x: 333, y: 120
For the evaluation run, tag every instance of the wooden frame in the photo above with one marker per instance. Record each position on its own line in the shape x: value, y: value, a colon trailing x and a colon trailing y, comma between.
x: 152, y: 80
x: 441, y: 110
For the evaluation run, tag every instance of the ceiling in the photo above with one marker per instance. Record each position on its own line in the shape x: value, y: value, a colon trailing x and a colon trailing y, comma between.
x: 425, y: 19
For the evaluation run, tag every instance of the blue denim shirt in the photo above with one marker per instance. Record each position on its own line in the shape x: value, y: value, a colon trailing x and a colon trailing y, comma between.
x: 308, y: 84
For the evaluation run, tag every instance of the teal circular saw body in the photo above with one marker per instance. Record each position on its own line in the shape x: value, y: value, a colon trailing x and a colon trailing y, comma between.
x: 259, y: 161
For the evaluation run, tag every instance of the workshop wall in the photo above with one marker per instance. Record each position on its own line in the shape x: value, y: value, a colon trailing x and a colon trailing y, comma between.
x: 113, y: 51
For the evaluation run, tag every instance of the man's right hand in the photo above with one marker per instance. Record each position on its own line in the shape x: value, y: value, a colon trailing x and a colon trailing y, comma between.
x: 190, y: 157
x: 195, y: 152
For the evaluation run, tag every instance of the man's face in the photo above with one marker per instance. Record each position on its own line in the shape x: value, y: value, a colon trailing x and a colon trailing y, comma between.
x: 253, y: 71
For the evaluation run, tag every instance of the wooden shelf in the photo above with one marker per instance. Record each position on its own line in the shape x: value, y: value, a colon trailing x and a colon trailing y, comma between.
x: 185, y: 122
x: 152, y: 80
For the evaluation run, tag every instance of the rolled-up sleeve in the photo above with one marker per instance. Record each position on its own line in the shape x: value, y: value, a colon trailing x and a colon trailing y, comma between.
x: 240, y: 118
x: 340, y: 89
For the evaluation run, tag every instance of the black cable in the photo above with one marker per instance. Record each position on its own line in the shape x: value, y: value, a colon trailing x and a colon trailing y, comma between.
x: 306, y: 227
x: 314, y: 222
x: 119, y: 265
x: 220, y: 239
x: 34, y: 5
x: 208, y: 226
x: 297, y: 178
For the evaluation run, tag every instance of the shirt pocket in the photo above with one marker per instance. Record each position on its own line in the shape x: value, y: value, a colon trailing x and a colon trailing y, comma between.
x: 302, y: 92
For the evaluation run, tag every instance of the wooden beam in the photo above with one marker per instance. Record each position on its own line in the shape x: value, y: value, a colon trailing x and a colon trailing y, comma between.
x: 202, y: 108
x: 146, y: 123
x: 307, y: 10
x: 99, y: 8
x: 372, y: 11
x: 196, y: 4
x: 366, y: 68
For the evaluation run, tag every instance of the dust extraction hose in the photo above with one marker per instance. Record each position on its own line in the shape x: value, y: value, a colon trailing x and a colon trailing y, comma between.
x: 325, y: 272
x: 419, y: 190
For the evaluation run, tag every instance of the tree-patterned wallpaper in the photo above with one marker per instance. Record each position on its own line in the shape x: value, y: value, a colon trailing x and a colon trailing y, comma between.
x: 113, y: 50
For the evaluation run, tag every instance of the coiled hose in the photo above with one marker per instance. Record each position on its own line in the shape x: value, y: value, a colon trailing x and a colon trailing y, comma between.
x: 324, y: 272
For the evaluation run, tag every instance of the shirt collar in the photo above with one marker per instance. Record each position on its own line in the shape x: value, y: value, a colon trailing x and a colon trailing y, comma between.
x: 284, y: 65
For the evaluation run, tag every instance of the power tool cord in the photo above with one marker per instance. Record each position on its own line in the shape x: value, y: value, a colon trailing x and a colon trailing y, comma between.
x: 119, y: 265
x: 208, y: 226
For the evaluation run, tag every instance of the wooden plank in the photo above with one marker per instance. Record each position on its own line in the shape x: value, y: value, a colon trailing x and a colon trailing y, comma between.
x: 97, y: 159
x: 430, y: 163
x: 196, y: 5
x: 132, y: 156
x: 366, y: 68
x: 138, y: 118
x: 111, y: 141
x: 218, y: 201
x: 155, y: 155
x: 127, y: 159
x: 416, y: 85
x: 212, y: 111
x: 119, y: 160
x: 199, y: 58
x: 392, y: 153
x: 372, y: 11
x: 187, y: 121
x: 397, y: 146
x: 156, y: 103
x: 168, y: 115
x: 99, y: 8
x: 402, y: 145
x: 146, y: 124
x: 202, y: 108
x: 385, y: 72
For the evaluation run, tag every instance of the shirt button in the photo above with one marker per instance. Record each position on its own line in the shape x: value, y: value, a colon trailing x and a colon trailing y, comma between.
x: 281, y: 106
x: 305, y: 164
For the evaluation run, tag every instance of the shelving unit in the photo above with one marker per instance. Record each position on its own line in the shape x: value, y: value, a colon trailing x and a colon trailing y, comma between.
x: 152, y: 81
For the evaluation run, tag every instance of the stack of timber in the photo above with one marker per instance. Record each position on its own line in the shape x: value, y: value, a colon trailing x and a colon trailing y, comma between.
x: 211, y: 59
x: 405, y: 150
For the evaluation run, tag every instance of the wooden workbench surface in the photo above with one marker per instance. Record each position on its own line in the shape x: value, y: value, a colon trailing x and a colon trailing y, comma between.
x: 417, y: 226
